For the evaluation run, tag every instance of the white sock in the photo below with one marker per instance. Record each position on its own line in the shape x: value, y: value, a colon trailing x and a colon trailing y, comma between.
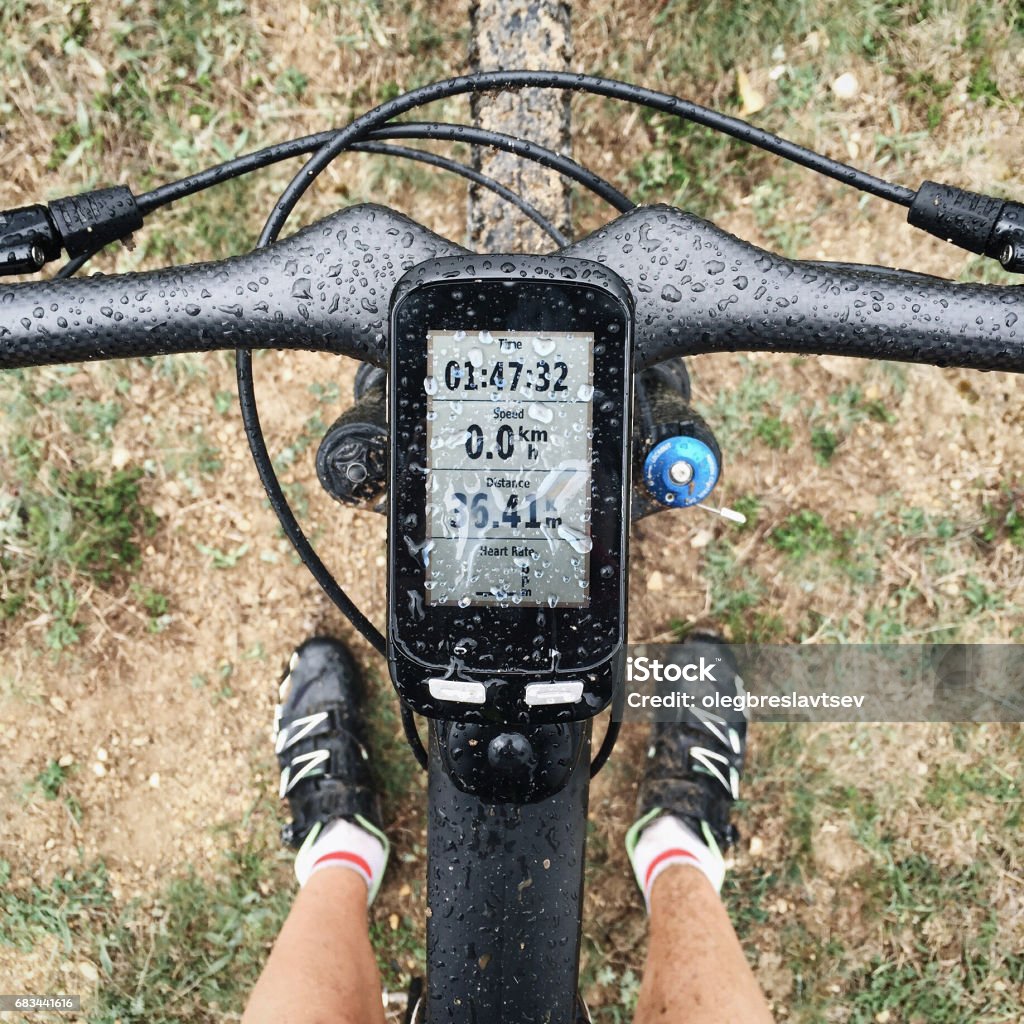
x: 344, y: 844
x: 656, y: 843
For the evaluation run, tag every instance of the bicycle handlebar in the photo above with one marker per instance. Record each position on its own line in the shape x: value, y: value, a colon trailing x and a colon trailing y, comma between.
x: 697, y: 289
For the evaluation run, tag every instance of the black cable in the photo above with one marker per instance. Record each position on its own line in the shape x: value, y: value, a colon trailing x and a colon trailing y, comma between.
x: 356, y: 131
x: 543, y: 79
x: 72, y: 267
x: 264, y: 466
x: 471, y: 174
x: 255, y: 161
x: 497, y: 80
x: 167, y: 194
x: 412, y: 735
x: 612, y: 732
x: 607, y: 746
x: 510, y: 144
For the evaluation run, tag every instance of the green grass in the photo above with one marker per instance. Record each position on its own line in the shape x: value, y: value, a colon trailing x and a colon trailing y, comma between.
x: 67, y: 527
x: 774, y: 433
x: 401, y: 952
x: 79, y: 899
x: 200, y: 958
x: 61, y: 527
x: 739, y: 595
x: 802, y: 534
x: 193, y: 954
x: 1003, y: 519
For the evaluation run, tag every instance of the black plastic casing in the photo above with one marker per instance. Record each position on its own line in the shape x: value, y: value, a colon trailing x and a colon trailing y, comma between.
x: 507, y: 647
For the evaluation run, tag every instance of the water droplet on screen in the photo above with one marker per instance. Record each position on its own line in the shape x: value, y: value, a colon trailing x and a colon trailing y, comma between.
x: 578, y: 541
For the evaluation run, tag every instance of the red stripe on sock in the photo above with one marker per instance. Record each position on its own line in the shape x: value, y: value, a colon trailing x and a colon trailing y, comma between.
x: 345, y: 857
x: 662, y: 857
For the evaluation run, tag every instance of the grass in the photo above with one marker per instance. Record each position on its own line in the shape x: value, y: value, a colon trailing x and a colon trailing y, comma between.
x: 194, y: 953
x: 81, y: 525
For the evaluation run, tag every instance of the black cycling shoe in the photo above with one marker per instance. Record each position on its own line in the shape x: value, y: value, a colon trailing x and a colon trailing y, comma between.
x: 320, y: 742
x: 694, y: 763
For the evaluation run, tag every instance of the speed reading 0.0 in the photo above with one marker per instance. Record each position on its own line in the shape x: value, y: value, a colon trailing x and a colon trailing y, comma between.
x: 509, y: 447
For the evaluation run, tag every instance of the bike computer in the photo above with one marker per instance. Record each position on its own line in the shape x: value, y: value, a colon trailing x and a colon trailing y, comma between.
x: 510, y: 384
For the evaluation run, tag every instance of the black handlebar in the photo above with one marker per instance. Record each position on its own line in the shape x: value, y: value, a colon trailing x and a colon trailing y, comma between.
x: 697, y: 289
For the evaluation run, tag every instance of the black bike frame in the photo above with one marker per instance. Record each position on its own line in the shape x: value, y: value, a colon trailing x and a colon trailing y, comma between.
x: 505, y: 883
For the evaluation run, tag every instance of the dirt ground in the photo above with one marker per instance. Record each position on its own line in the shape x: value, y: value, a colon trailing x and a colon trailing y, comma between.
x: 166, y: 735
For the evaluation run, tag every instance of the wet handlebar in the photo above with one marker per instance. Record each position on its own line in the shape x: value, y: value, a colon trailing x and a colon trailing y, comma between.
x: 697, y: 289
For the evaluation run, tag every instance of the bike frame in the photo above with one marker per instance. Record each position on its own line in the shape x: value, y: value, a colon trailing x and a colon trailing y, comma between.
x: 505, y: 880
x: 505, y: 877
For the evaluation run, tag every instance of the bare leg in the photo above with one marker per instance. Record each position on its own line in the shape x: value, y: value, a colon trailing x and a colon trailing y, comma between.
x: 321, y: 969
x: 696, y: 971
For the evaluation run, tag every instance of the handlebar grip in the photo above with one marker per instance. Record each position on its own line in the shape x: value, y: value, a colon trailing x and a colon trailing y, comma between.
x: 699, y: 289
x: 325, y: 288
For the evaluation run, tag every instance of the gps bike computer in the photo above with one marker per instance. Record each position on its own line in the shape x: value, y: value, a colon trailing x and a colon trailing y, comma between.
x: 510, y: 386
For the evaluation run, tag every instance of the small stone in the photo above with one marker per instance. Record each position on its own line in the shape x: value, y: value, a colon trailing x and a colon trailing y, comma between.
x: 66, y: 761
x: 140, y: 741
x: 701, y: 539
x: 59, y: 704
x: 101, y: 754
x: 88, y: 971
x: 883, y: 1017
x: 393, y: 921
x: 119, y: 458
x: 154, y: 780
x: 846, y: 86
x: 99, y: 769
x: 406, y: 890
x: 656, y: 581
x: 756, y: 846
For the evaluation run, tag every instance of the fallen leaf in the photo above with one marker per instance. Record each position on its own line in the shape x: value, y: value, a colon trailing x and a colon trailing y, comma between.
x: 752, y: 99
